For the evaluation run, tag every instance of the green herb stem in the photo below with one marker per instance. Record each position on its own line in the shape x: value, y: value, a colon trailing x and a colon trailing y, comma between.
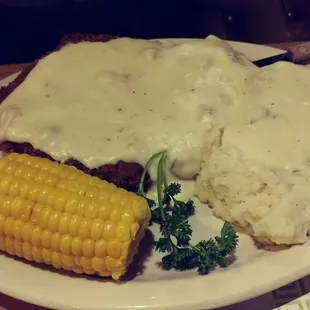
x: 141, y: 191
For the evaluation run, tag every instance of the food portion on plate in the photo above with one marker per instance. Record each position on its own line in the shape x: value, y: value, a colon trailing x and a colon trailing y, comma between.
x: 235, y: 135
x: 57, y: 215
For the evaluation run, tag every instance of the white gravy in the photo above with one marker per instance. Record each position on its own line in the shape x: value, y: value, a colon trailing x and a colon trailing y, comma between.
x: 127, y: 99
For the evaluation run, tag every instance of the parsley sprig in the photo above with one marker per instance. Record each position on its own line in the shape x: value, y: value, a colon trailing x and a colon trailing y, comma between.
x: 172, y: 215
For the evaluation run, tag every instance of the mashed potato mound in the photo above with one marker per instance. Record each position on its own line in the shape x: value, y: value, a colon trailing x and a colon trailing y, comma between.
x: 255, y: 169
x: 255, y: 198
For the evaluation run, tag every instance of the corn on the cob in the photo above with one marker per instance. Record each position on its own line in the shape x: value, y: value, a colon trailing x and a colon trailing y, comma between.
x: 57, y: 215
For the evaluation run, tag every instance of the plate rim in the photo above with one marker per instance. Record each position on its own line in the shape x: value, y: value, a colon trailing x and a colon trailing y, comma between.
x: 299, y: 272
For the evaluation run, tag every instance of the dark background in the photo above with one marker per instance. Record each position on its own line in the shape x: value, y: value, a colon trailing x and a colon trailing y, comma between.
x: 28, y: 28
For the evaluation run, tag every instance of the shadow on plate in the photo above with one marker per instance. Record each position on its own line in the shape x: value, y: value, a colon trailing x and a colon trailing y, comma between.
x: 272, y: 247
x: 260, y: 245
x: 135, y: 269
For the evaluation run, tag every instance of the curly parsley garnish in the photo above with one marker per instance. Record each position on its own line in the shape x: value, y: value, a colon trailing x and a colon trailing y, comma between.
x: 172, y: 215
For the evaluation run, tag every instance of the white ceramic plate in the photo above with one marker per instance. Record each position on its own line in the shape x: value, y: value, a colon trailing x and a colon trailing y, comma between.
x: 253, y: 273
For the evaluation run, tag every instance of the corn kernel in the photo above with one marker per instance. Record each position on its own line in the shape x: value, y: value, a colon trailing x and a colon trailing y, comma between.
x: 95, y: 181
x: 26, y: 210
x: 2, y: 198
x: 75, y: 224
x: 128, y: 216
x: 47, y: 256
x: 28, y: 257
x: 85, y: 228
x: 14, y: 188
x: 53, y: 221
x: 67, y: 261
x: 8, y: 226
x: 138, y: 208
x: 10, y: 167
x: 14, y: 157
x: 51, y: 180
x: 7, y: 206
x: 71, y: 204
x: 36, y: 236
x: 93, y: 192
x: 78, y: 270
x: 17, y: 229
x: 88, y: 248
x: 105, y: 273
x: 27, y: 249
x: 56, y: 242
x: 43, y: 195
x: 116, y: 274
x: 76, y: 246
x: 101, y: 248
x: 9, y: 246
x: 64, y: 173
x: 97, y: 229
x: 1, y: 225
x: 20, y: 171
x: 89, y: 272
x: 64, y: 223
x: 27, y: 231
x: 44, y: 216
x: 3, y: 164
x: 104, y: 210
x: 5, y: 183
x: 91, y: 210
x: 2, y: 243
x: 55, y: 169
x: 65, y: 244
x: 45, y: 164
x: 71, y: 176
x: 37, y: 254
x: 18, y: 247
x: 24, y: 190
x: 109, y: 231
x: 36, y: 214
x: 85, y: 262
x: 76, y: 260
x: 60, y: 201
x: 113, y: 264
x: 105, y: 195
x: 98, y: 264
x: 56, y: 260
x: 116, y: 214
x: 82, y: 205
x: 46, y: 239
x: 114, y: 249
x: 51, y: 198
x: 17, y: 205
x: 123, y: 231
x: 81, y: 189
x: 40, y: 176
x: 117, y: 196
x: 34, y: 191
x: 126, y: 199
x: 30, y: 161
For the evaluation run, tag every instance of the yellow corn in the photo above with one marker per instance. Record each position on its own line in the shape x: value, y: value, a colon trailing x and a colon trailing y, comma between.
x: 62, y: 176
x: 92, y: 227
